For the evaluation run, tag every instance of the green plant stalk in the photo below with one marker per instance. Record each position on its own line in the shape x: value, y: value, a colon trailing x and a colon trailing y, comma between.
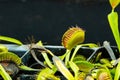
x: 74, y: 53
x: 67, y: 57
x: 64, y: 55
x: 117, y: 72
x: 4, y: 74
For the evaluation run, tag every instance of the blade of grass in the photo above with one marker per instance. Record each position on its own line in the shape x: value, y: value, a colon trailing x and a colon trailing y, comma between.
x: 9, y: 39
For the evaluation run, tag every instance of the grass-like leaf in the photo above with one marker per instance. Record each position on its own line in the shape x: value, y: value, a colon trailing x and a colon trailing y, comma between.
x: 9, y: 39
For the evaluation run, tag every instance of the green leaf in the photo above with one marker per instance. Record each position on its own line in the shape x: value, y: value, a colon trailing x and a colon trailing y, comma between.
x: 117, y: 72
x: 114, y: 3
x: 44, y: 54
x: 113, y: 21
x: 75, y: 69
x: 26, y: 68
x: 9, y: 39
x: 62, y: 68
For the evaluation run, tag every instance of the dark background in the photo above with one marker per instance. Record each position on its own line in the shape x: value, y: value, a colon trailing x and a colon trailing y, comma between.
x: 47, y: 20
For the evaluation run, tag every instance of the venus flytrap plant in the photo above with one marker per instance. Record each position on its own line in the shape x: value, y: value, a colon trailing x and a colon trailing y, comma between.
x: 70, y: 39
x: 113, y: 21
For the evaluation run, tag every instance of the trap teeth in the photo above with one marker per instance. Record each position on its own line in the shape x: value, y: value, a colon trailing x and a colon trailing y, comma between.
x: 10, y: 57
x: 72, y: 37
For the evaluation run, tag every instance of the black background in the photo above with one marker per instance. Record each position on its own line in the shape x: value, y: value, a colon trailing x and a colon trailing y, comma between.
x: 47, y: 20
